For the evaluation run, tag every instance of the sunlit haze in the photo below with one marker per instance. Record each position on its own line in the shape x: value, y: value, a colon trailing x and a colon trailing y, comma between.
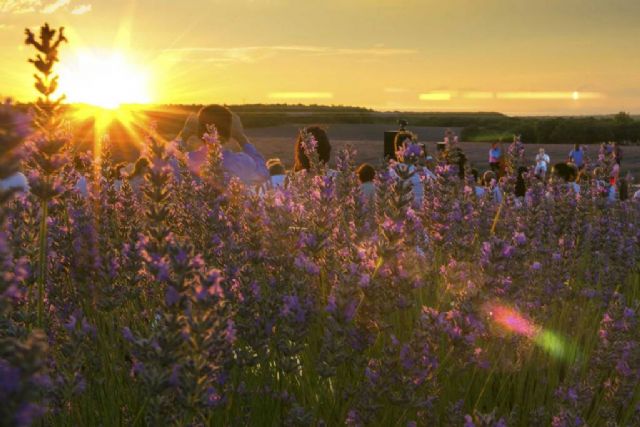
x: 518, y: 57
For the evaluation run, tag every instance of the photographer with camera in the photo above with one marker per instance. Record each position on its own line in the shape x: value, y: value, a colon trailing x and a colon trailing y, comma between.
x: 248, y: 165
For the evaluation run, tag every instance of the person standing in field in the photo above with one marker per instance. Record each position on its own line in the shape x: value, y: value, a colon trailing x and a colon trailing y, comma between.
x: 615, y: 174
x: 617, y: 153
x: 410, y: 153
x: 495, y: 156
x: 247, y: 165
x: 542, y: 164
x: 576, y: 156
x: 322, y: 147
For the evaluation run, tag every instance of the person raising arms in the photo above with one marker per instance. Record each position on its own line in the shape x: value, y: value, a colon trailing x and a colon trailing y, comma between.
x: 247, y: 165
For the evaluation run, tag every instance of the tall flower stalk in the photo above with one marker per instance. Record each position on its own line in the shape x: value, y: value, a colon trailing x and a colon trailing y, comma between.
x: 49, y: 142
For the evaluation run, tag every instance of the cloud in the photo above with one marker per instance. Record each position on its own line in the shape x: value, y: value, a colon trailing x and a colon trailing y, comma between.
x: 442, y: 95
x: 19, y: 6
x: 301, y: 95
x: 52, y: 7
x: 250, y: 54
x: 395, y: 90
x: 478, y: 95
x: 48, y: 7
x: 81, y: 9
x: 576, y: 96
x: 436, y: 96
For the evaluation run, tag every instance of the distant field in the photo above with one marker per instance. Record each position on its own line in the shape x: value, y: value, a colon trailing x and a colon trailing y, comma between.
x: 367, y: 140
x: 278, y: 141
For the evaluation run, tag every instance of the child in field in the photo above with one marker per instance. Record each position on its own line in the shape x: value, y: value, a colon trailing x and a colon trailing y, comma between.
x: 478, y: 189
x: 521, y: 185
x: 277, y: 172
x: 248, y: 165
x: 600, y: 188
x: 542, y: 164
x: 567, y: 173
x: 366, y: 174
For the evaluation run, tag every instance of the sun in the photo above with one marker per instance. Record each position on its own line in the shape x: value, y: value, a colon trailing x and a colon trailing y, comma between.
x: 104, y: 79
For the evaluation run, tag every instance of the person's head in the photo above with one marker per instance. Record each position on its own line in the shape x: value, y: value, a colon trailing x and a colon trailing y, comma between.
x: 217, y: 115
x: 597, y: 172
x: 323, y: 148
x: 488, y: 177
x: 564, y: 171
x: 275, y: 167
x: 366, y: 173
x: 576, y: 147
x: 541, y: 151
x: 140, y: 168
x: 494, y: 145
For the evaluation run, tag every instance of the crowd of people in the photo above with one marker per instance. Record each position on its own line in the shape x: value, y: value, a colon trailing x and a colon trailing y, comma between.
x: 249, y: 166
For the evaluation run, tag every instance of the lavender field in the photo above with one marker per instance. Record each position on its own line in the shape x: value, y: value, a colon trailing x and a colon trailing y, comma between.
x: 173, y: 299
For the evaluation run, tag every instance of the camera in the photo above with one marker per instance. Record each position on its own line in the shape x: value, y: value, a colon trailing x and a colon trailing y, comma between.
x: 390, y: 137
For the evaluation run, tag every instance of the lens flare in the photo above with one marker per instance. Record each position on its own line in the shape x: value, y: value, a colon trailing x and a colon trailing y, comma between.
x: 552, y: 343
x: 514, y: 322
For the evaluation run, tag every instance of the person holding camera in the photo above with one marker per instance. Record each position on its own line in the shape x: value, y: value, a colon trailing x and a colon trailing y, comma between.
x: 247, y: 165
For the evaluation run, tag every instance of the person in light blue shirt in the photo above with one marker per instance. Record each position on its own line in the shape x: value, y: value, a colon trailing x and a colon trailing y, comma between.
x: 17, y: 182
x: 577, y: 156
x: 495, y: 157
x: 248, y: 165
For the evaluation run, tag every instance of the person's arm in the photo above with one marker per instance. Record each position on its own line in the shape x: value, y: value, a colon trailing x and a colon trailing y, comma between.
x: 249, y: 165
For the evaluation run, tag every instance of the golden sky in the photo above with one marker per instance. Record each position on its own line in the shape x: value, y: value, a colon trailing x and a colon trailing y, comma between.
x: 512, y: 56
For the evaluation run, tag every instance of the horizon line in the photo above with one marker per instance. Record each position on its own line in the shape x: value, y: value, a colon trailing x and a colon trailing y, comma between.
x: 372, y: 109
